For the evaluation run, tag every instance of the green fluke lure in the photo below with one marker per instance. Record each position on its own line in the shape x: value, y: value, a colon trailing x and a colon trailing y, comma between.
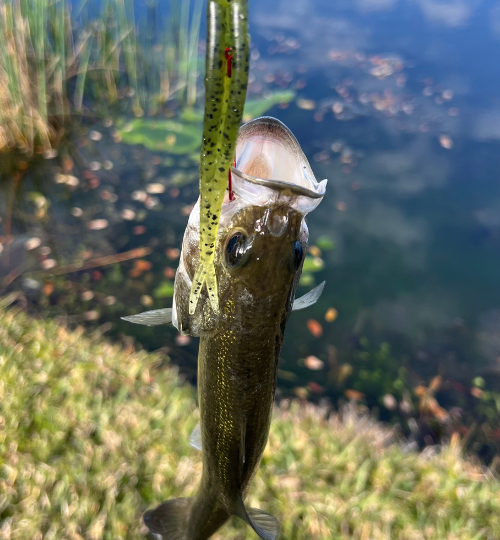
x: 226, y: 80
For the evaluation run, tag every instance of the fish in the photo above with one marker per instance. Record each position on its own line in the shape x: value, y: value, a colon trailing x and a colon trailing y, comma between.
x: 259, y: 253
x: 226, y: 80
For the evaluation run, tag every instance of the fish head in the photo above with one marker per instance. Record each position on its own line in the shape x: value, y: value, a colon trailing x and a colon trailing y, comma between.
x: 262, y: 237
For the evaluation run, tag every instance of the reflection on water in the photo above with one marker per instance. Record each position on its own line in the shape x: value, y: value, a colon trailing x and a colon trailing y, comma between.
x: 397, y: 104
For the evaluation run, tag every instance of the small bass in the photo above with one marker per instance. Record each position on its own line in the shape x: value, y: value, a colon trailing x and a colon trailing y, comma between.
x: 258, y: 256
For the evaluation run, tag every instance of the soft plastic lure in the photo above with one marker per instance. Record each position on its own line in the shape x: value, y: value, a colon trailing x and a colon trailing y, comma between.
x: 226, y: 79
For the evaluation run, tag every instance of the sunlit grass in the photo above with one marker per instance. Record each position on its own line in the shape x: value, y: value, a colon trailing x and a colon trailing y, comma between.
x: 59, y: 59
x: 91, y: 435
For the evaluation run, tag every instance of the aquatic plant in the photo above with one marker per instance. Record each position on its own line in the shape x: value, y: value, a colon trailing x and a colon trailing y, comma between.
x: 161, y: 135
x: 257, y: 107
x: 376, y: 372
x: 57, y: 60
x: 91, y: 435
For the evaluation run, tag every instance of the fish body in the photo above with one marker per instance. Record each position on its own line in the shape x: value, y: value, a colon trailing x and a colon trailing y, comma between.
x: 226, y: 81
x: 259, y: 252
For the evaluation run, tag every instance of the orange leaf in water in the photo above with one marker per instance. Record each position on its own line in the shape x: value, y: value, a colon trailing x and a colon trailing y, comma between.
x: 169, y: 273
x: 314, y: 363
x: 354, y: 395
x: 315, y: 328
x: 140, y: 266
x: 48, y: 288
x: 435, y: 383
x: 420, y: 391
x: 476, y: 392
x: 315, y: 387
x: 172, y: 253
x: 331, y: 314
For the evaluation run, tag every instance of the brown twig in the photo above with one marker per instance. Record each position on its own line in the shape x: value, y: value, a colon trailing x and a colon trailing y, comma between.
x: 14, y: 274
x: 94, y: 263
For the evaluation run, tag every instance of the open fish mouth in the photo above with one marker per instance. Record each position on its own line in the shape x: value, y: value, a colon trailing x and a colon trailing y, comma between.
x: 271, y: 167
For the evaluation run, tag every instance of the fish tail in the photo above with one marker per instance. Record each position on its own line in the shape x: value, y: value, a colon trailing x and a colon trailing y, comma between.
x: 169, y: 520
x: 265, y: 525
x: 204, y: 274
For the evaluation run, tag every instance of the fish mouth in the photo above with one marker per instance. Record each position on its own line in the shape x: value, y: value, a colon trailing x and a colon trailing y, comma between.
x: 271, y: 167
x: 286, y: 188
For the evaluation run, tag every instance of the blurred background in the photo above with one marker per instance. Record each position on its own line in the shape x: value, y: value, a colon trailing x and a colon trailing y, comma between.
x: 396, y: 102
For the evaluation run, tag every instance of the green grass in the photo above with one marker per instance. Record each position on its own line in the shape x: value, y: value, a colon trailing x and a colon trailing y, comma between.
x: 58, y: 60
x: 91, y: 435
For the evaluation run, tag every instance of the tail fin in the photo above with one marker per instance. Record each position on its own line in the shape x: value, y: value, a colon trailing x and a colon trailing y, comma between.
x: 265, y: 525
x: 169, y: 520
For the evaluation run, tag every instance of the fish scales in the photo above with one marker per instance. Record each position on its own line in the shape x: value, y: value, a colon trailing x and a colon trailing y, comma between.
x: 224, y: 103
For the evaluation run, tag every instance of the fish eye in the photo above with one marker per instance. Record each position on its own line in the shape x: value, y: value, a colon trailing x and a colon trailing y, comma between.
x: 298, y: 253
x: 236, y: 249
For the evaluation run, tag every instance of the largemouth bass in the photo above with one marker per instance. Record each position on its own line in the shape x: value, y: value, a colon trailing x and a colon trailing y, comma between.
x: 226, y: 78
x: 259, y: 253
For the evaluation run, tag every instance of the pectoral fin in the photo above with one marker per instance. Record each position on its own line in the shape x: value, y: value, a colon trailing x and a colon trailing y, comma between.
x: 151, y: 318
x: 265, y: 525
x: 195, y: 438
x: 309, y: 298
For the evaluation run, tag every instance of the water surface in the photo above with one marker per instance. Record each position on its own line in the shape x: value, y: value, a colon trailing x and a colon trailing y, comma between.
x: 397, y: 103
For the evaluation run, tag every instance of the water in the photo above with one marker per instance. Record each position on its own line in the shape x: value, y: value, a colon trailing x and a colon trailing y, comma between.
x: 398, y: 105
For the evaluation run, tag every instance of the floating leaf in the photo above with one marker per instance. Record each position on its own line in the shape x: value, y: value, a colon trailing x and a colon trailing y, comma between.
x: 257, y: 107
x: 331, y: 314
x: 164, y: 290
x: 314, y: 327
x: 314, y: 363
x: 313, y: 264
x: 162, y: 135
x: 306, y: 280
x: 325, y: 243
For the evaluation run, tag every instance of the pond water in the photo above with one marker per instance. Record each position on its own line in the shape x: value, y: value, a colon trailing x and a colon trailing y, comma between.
x: 397, y: 103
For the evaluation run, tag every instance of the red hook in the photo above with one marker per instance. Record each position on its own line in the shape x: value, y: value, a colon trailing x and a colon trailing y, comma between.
x: 228, y: 53
x: 229, y: 57
x: 230, y: 183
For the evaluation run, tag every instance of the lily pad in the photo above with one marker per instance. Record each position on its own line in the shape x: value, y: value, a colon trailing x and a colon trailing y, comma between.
x: 325, y: 243
x: 159, y: 135
x: 164, y: 290
x: 306, y: 280
x: 312, y: 264
x: 189, y: 114
x: 257, y: 107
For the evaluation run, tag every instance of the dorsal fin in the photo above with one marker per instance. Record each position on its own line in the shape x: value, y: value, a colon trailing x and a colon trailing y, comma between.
x: 309, y: 298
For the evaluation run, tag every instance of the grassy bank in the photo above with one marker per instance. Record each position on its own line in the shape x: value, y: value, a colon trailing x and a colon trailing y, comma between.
x: 59, y: 59
x: 91, y: 435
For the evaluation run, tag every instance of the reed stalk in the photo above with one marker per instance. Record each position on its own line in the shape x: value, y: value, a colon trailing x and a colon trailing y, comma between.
x: 59, y: 60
